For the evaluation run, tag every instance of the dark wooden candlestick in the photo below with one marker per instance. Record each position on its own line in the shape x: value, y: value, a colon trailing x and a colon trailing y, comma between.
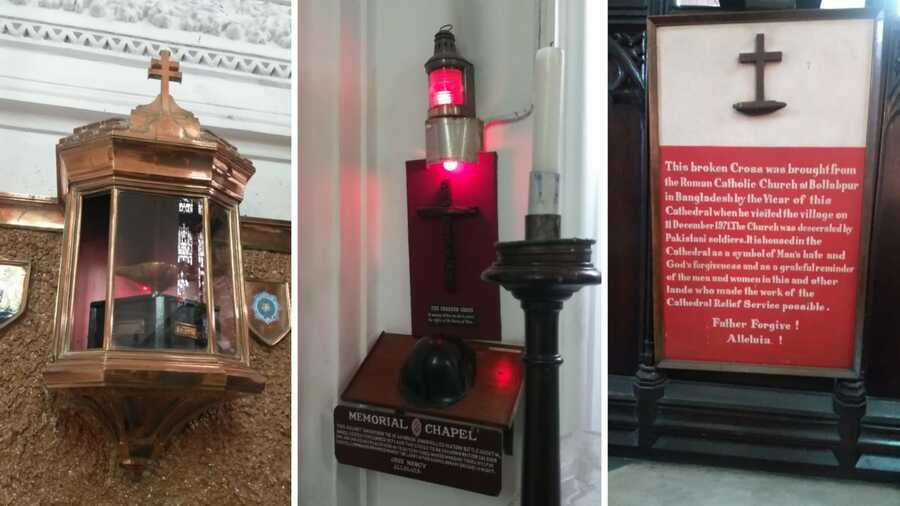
x: 542, y: 272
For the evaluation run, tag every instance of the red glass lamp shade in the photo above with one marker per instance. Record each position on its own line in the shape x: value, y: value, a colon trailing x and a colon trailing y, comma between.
x: 452, y: 131
x: 445, y: 87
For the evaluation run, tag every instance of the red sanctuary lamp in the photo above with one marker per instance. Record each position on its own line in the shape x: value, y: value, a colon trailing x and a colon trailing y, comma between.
x: 452, y: 131
x: 151, y: 326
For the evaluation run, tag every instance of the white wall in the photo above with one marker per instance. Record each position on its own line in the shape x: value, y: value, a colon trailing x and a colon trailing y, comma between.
x: 334, y: 222
x: 65, y: 68
x: 362, y: 111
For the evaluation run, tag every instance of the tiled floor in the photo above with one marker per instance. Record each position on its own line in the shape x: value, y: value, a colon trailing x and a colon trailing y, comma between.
x: 642, y: 483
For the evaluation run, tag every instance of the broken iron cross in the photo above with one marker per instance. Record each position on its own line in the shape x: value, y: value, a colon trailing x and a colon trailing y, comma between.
x: 446, y: 213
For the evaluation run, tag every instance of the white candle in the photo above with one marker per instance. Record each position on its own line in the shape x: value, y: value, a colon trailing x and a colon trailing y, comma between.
x: 543, y: 188
x: 548, y: 83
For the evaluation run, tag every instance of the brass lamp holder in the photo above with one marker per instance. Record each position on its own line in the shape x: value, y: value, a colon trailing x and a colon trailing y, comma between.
x: 143, y: 400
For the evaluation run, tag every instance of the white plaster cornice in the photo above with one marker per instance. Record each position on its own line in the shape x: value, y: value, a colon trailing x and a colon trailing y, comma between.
x: 246, y: 37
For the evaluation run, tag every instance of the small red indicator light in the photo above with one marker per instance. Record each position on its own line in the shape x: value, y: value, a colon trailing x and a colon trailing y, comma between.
x: 504, y: 375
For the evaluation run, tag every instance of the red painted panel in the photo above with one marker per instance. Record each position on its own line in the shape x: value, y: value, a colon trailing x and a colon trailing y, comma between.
x: 472, y: 185
x: 759, y: 253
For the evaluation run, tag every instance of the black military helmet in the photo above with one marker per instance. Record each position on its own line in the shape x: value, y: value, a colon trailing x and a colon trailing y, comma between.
x: 438, y: 372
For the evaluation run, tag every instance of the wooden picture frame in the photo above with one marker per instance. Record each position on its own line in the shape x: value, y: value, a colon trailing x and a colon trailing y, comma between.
x: 870, y: 167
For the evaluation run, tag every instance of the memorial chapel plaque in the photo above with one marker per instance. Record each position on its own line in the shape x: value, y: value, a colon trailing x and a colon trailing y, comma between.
x: 463, y: 456
x: 762, y: 171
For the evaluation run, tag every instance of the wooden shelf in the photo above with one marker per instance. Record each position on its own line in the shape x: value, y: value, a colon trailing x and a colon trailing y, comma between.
x: 492, y: 400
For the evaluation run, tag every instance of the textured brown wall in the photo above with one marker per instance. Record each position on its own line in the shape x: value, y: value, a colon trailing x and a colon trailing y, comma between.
x: 237, y: 454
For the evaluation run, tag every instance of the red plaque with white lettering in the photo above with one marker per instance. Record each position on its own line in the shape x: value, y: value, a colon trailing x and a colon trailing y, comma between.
x: 760, y: 254
x: 762, y: 207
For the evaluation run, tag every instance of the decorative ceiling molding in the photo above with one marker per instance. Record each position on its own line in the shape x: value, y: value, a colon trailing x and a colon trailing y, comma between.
x: 253, y: 21
x: 251, y: 37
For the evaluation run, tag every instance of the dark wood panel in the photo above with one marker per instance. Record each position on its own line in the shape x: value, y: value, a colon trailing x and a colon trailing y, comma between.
x: 757, y: 428
x: 627, y: 281
x: 882, y: 350
x: 266, y: 234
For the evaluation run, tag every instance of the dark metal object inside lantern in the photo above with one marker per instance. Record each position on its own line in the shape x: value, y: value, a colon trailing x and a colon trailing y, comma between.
x: 438, y: 372
x: 150, y: 325
x: 453, y: 134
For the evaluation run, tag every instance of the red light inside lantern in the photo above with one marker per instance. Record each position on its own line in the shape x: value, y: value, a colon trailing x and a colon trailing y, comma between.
x: 445, y: 87
x: 451, y: 165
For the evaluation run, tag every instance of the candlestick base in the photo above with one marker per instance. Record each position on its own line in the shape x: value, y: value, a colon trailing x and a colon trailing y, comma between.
x: 551, y: 269
x: 542, y: 274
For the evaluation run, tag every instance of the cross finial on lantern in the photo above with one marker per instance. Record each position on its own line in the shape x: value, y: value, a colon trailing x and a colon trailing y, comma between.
x: 165, y: 70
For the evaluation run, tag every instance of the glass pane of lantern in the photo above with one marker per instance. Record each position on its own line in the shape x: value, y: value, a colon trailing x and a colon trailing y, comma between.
x: 445, y: 87
x: 160, y: 279
x: 91, y: 274
x: 222, y: 279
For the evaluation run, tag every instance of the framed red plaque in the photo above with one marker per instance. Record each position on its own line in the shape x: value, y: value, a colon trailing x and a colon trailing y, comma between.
x: 763, y: 158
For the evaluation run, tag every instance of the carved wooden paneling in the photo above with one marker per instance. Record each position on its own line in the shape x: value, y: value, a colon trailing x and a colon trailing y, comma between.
x: 882, y: 349
x: 628, y: 225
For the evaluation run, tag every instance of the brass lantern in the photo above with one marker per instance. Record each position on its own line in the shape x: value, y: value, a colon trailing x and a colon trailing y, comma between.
x: 453, y: 134
x: 151, y: 325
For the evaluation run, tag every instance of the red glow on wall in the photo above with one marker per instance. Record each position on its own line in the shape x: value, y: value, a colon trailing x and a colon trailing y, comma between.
x: 445, y: 87
x: 453, y: 166
x: 504, y: 375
